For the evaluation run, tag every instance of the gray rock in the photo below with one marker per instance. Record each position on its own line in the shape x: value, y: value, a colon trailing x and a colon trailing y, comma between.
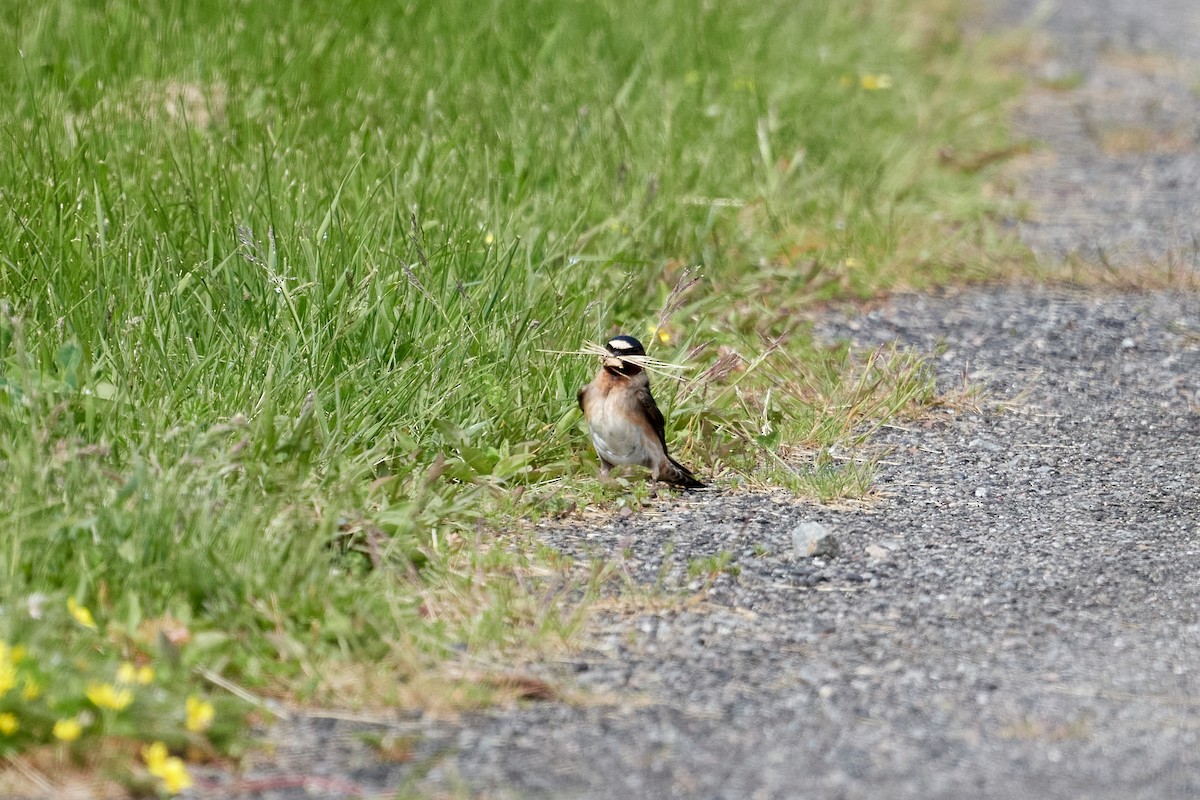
x: 877, y: 552
x: 813, y: 540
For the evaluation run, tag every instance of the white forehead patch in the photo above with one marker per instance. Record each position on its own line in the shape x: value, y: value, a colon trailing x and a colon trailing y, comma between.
x: 620, y: 344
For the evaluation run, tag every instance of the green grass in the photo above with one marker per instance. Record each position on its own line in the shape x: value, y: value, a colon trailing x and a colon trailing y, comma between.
x: 279, y: 280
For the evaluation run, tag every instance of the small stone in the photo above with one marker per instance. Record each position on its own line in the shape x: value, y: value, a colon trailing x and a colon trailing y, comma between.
x: 981, y: 492
x: 877, y: 552
x: 1128, y: 344
x: 812, y: 540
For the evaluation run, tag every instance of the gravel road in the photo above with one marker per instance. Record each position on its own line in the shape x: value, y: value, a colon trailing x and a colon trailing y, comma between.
x: 1117, y: 179
x: 1016, y: 615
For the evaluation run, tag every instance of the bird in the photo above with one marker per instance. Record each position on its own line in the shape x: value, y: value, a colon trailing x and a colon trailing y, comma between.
x: 625, y: 423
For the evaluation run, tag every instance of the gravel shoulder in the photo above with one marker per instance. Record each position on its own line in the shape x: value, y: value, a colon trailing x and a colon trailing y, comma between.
x: 1114, y: 104
x: 1014, y: 615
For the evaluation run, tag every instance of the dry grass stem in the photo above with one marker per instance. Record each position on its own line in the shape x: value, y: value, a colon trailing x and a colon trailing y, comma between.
x: 645, y: 362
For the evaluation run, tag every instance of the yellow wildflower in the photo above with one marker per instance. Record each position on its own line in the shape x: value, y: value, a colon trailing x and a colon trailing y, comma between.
x: 32, y: 689
x: 81, y: 614
x: 17, y: 654
x: 175, y: 776
x: 199, y: 714
x: 105, y: 695
x: 8, y: 723
x: 875, y: 82
x: 67, y: 729
x: 167, y: 768
x: 662, y: 334
x: 8, y: 677
x: 489, y: 238
x: 155, y: 755
x: 129, y: 674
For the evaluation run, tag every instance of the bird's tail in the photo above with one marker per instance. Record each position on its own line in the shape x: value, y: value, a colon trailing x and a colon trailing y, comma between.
x: 679, y: 475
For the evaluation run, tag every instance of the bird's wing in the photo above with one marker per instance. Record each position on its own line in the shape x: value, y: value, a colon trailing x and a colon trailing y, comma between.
x: 645, y: 402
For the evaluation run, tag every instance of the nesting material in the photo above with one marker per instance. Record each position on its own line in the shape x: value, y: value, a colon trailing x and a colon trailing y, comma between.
x: 645, y: 362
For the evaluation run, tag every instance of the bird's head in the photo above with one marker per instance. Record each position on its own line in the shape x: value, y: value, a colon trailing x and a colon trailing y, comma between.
x: 619, y: 346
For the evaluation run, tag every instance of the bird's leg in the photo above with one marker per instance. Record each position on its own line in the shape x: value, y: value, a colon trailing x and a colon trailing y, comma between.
x: 605, y: 468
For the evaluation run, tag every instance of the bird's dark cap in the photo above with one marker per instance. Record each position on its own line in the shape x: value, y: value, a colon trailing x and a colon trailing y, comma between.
x: 625, y: 346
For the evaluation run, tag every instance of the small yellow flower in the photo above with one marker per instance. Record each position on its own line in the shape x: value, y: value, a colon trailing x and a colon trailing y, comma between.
x: 875, y: 82
x: 175, y: 777
x: 17, y: 654
x: 155, y: 755
x: 489, y: 238
x: 127, y: 673
x: 32, y: 689
x: 9, y: 723
x: 662, y: 334
x: 81, y: 614
x: 67, y: 730
x: 8, y: 676
x: 105, y: 695
x: 851, y: 263
x: 200, y: 714
x: 167, y: 768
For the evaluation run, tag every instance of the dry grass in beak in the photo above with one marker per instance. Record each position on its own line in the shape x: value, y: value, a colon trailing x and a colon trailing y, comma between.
x: 645, y: 362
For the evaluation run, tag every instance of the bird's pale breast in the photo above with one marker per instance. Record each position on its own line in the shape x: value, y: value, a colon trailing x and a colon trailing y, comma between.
x: 617, y: 437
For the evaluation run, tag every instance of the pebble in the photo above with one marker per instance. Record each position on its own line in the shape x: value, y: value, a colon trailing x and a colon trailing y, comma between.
x: 877, y: 552
x: 814, y: 540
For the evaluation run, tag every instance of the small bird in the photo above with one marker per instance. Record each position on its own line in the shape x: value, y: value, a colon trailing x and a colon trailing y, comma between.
x: 626, y: 425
